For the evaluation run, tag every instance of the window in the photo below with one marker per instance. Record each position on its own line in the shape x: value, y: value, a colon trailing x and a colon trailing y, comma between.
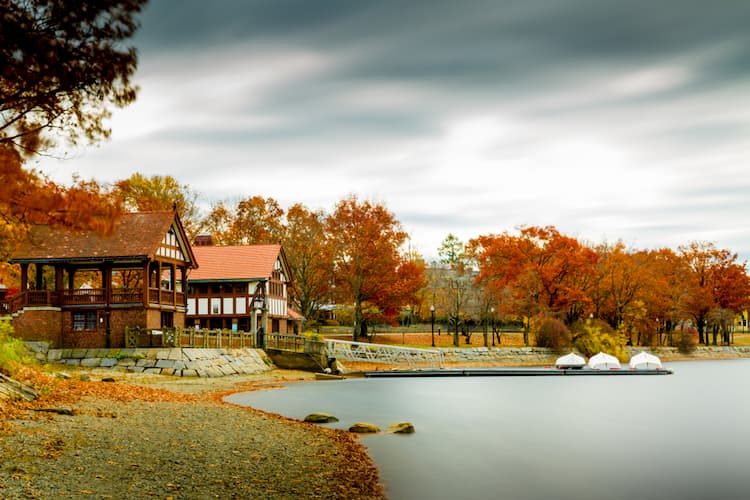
x: 84, y: 320
x: 167, y: 319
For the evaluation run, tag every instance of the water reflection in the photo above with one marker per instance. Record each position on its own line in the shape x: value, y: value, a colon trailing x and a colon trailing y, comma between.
x: 679, y: 436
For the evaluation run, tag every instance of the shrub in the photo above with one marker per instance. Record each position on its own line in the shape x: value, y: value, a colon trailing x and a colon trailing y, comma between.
x: 12, y: 350
x: 331, y: 322
x: 686, y: 342
x: 313, y: 336
x: 596, y: 336
x: 554, y: 334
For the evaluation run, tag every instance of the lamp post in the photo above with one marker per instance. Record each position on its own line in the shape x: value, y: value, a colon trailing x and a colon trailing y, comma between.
x: 432, y: 322
x: 259, y: 302
x: 492, y: 311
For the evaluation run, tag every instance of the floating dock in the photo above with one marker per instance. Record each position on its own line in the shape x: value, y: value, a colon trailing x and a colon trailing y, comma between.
x: 514, y: 372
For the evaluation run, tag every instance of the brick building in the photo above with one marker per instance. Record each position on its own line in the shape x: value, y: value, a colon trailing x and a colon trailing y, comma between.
x: 81, y: 288
x: 221, y: 291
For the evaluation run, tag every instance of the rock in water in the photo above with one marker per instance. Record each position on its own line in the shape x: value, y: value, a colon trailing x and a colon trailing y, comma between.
x: 401, y: 428
x: 320, y: 418
x: 364, y: 428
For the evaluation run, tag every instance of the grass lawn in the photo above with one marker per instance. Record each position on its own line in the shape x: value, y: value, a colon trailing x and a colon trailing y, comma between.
x: 423, y: 340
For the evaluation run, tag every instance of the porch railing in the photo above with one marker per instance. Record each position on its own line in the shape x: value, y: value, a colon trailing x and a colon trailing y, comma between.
x: 89, y: 296
x: 80, y: 296
x: 219, y: 338
x: 188, y: 337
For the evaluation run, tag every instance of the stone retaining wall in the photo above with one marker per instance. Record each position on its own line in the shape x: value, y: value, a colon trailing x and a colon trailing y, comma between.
x: 177, y: 362
x: 544, y: 356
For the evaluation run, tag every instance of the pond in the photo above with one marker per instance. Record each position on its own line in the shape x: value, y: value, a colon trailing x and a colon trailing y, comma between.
x: 685, y: 435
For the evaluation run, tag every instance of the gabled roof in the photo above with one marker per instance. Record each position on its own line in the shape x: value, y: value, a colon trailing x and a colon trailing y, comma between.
x: 292, y: 314
x: 237, y: 263
x: 135, y: 235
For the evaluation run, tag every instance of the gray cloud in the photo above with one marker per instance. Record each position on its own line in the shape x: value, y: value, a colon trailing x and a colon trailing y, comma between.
x: 623, y: 120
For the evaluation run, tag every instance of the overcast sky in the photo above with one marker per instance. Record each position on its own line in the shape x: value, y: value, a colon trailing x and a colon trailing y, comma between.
x: 607, y: 119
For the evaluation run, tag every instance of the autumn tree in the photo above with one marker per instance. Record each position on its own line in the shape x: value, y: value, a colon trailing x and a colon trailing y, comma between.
x: 29, y: 198
x: 158, y: 192
x: 369, y: 268
x: 714, y: 281
x: 623, y: 288
x: 549, y: 273
x: 252, y: 221
x: 62, y: 65
x: 309, y: 258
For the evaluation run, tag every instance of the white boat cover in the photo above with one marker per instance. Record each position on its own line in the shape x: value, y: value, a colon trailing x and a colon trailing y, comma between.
x: 571, y: 360
x: 603, y: 361
x: 644, y: 360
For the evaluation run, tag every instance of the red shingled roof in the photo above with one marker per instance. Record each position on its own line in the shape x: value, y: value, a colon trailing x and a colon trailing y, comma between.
x: 137, y: 234
x: 235, y: 262
x: 293, y: 314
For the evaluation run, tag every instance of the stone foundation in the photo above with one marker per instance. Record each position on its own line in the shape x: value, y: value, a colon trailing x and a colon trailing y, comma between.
x: 176, y: 362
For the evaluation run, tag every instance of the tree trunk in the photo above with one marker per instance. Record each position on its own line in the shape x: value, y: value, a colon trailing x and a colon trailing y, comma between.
x: 455, y: 334
x: 357, y: 330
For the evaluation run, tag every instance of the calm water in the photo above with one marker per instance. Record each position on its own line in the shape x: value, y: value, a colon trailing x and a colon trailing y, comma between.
x: 682, y: 436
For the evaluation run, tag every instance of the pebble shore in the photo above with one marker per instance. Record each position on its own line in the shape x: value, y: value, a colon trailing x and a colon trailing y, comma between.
x: 195, y: 447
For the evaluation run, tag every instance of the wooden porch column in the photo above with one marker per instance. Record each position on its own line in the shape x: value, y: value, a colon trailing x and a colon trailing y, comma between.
x: 106, y: 271
x: 173, y: 282
x: 146, y: 282
x: 71, y: 278
x: 39, y: 275
x: 58, y: 278
x: 24, y: 277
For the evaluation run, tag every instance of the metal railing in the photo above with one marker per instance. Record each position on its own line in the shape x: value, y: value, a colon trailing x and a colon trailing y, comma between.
x: 380, y: 353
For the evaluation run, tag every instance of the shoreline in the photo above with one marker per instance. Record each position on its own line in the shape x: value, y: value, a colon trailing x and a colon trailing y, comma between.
x: 142, y: 437
x: 37, y: 445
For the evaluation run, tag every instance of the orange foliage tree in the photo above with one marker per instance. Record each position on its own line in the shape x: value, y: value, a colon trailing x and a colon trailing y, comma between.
x: 309, y: 258
x: 624, y: 287
x: 28, y: 198
x: 547, y: 272
x: 141, y: 193
x: 365, y: 241
x: 714, y: 280
x: 61, y: 66
x: 253, y: 221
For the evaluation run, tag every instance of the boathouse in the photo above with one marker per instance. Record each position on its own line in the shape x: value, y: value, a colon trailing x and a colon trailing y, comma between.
x: 83, y: 288
x: 240, y: 288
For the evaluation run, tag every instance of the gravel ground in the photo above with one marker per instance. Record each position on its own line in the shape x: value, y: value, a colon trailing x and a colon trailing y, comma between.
x: 187, y: 446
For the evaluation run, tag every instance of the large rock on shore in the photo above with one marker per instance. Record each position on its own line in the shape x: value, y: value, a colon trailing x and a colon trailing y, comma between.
x: 364, y: 428
x: 401, y: 428
x: 321, y: 418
